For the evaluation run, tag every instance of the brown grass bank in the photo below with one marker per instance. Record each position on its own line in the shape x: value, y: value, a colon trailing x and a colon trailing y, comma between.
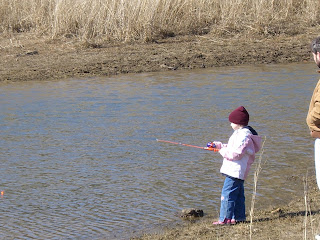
x: 43, y: 40
x: 146, y: 20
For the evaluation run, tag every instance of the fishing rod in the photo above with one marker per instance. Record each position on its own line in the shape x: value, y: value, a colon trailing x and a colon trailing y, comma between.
x: 210, y: 146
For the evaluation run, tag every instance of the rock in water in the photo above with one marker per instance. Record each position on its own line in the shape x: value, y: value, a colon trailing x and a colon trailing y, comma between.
x: 191, y: 212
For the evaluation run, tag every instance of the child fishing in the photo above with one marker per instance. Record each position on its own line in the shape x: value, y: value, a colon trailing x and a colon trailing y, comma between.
x: 238, y: 155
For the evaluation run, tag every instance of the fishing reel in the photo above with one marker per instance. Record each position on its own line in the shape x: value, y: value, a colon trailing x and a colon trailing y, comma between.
x: 211, y: 145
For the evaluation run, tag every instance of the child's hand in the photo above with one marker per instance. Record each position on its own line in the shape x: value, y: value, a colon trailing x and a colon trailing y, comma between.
x: 217, y: 144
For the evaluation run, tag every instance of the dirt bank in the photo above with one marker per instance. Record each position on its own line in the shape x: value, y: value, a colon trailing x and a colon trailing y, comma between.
x: 27, y: 57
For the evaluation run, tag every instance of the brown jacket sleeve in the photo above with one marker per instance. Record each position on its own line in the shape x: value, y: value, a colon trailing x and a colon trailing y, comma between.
x: 313, y: 117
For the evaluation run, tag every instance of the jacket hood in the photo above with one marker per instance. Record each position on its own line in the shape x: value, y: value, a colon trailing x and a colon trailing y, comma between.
x: 257, y: 142
x: 256, y: 139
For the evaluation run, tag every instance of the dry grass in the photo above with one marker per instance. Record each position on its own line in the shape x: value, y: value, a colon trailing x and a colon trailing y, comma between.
x: 254, y: 193
x: 148, y: 20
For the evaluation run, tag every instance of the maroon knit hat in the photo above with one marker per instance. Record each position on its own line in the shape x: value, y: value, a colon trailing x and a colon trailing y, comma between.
x: 239, y: 116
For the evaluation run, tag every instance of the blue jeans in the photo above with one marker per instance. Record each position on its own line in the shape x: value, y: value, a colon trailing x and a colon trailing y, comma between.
x: 233, y: 200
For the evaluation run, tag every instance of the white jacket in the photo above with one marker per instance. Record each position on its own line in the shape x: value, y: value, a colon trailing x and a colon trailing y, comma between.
x: 239, y: 154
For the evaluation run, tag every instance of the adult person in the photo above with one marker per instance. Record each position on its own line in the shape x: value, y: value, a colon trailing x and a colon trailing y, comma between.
x: 313, y: 117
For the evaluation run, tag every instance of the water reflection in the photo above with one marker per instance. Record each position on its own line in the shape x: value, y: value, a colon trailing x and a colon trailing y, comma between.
x: 80, y: 157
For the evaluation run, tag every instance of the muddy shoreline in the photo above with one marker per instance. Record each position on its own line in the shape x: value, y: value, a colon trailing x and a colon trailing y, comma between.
x: 299, y: 219
x: 26, y: 57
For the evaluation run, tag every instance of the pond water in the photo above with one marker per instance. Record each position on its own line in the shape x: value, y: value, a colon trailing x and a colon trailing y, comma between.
x: 80, y: 160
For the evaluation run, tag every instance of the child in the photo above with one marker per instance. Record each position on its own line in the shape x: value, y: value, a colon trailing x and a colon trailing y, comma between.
x: 238, y: 155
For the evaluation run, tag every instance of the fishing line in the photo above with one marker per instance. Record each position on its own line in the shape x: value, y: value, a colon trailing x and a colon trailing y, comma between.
x: 189, y: 145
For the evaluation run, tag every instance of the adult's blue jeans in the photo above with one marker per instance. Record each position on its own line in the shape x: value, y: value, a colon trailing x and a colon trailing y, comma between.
x: 233, y: 200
